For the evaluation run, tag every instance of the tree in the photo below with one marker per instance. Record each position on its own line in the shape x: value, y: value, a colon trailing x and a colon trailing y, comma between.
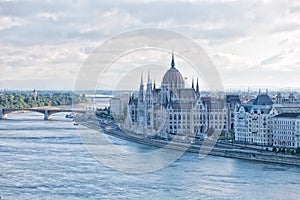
x: 283, y: 150
x: 298, y: 150
x: 293, y: 152
x: 21, y: 100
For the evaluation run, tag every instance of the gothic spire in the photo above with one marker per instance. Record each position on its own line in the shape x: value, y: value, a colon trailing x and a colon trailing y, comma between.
x: 193, y: 83
x: 173, y: 62
x: 141, y: 78
x: 141, y: 91
x: 197, y: 89
x: 148, y: 77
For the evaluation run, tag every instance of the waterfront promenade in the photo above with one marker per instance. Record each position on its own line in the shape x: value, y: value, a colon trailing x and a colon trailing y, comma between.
x: 220, y: 149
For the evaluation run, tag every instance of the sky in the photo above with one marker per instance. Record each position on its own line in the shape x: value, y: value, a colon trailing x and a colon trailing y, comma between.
x: 253, y: 43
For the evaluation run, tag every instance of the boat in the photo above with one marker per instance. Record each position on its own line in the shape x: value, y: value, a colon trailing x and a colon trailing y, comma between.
x: 70, y: 116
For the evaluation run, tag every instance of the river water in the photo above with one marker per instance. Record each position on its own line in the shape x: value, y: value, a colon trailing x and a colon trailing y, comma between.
x: 47, y: 160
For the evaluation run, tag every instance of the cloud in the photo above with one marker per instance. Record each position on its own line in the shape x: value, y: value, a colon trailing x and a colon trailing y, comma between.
x: 287, y: 60
x: 43, y: 62
x: 51, y: 37
x: 231, y: 62
x: 48, y: 16
x: 7, y: 22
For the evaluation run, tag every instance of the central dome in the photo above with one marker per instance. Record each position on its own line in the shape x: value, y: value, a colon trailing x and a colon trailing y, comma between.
x: 173, y: 78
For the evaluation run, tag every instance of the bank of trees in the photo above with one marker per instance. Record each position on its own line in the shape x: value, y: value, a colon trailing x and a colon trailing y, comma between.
x: 19, y: 100
x: 287, y: 151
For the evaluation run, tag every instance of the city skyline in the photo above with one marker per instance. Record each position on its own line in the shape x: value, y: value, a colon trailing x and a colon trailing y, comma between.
x: 252, y: 43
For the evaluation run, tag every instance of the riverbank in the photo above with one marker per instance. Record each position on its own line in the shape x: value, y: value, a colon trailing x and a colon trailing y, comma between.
x: 218, y: 149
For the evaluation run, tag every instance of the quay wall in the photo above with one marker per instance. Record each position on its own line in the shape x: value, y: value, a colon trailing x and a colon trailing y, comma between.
x: 262, y: 156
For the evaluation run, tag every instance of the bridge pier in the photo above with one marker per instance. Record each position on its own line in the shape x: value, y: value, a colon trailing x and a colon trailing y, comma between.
x: 47, y: 115
x: 3, y: 115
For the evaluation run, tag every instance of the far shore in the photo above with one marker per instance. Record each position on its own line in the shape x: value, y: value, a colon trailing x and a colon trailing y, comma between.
x: 80, y: 105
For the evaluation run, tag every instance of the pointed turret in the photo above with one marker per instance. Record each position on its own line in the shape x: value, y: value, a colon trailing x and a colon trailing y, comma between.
x: 193, y: 84
x: 141, y: 91
x: 197, y: 89
x: 149, y: 84
x: 141, y: 83
x: 148, y: 77
x: 149, y: 91
x: 131, y: 98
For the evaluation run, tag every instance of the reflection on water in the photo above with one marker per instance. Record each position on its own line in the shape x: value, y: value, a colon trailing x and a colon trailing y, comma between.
x: 47, y: 160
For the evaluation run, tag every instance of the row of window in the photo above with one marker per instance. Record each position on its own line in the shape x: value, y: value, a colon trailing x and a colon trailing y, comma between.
x: 283, y: 138
x: 284, y: 132
x: 279, y: 143
x: 281, y: 122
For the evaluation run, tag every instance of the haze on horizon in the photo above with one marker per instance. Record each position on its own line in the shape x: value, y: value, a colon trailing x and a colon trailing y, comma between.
x: 253, y: 43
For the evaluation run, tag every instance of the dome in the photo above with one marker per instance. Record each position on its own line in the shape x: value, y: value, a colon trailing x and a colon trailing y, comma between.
x: 173, y: 78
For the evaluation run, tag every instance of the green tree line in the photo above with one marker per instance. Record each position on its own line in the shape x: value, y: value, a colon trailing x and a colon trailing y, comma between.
x: 18, y: 100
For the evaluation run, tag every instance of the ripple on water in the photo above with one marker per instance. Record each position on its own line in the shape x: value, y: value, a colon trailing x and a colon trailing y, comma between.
x: 46, y: 160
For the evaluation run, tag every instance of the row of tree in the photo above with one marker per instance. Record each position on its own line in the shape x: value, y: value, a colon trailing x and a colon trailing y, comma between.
x: 19, y: 100
x: 288, y: 151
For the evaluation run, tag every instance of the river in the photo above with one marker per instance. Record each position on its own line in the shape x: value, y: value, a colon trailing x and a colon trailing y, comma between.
x: 47, y: 160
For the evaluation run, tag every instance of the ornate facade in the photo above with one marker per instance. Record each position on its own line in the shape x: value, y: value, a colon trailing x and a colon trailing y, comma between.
x: 286, y: 130
x: 253, y: 121
x: 171, y: 111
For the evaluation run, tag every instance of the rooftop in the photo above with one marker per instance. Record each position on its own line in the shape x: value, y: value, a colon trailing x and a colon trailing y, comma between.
x: 263, y: 99
x: 288, y: 115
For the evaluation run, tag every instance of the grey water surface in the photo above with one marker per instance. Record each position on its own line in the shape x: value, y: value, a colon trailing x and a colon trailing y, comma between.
x: 47, y: 160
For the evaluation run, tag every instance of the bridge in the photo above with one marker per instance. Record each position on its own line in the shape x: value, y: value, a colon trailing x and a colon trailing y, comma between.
x: 47, y: 112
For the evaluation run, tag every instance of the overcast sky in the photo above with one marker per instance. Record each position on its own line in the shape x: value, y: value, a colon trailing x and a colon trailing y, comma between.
x: 253, y: 43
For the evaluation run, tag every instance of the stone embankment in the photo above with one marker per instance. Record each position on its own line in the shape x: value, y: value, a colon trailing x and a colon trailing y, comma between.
x: 217, y: 150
